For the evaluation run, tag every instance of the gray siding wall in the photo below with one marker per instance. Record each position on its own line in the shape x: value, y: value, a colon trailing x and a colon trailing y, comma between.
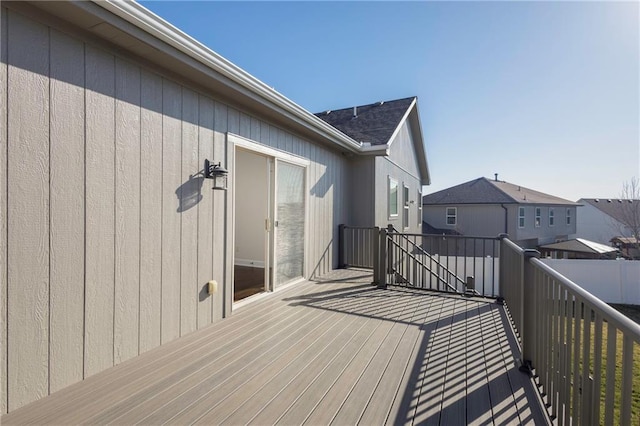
x: 545, y: 233
x: 489, y: 221
x: 106, y: 252
x: 385, y: 169
x: 402, y: 151
x: 361, y: 206
x: 402, y: 166
x: 477, y: 221
x: 595, y: 225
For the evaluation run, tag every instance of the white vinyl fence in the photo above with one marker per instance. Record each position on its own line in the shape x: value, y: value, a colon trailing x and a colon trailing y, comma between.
x: 613, y: 281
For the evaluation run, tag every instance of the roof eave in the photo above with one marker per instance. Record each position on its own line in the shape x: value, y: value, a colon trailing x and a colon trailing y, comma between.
x: 144, y: 19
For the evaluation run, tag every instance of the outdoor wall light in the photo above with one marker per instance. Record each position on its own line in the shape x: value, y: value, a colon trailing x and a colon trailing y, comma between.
x: 217, y: 173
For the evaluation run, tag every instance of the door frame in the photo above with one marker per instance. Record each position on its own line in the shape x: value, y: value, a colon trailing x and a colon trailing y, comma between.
x: 234, y: 142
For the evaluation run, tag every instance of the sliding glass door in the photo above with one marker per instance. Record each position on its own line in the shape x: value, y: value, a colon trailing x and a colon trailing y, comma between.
x: 289, y: 222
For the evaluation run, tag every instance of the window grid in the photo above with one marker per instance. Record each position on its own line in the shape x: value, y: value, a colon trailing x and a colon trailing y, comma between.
x: 452, y: 215
x: 551, y: 217
x: 521, y: 217
x: 538, y: 217
x: 568, y: 216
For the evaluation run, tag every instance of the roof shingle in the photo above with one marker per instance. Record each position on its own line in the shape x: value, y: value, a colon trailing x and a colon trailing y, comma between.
x: 486, y: 191
x: 374, y: 123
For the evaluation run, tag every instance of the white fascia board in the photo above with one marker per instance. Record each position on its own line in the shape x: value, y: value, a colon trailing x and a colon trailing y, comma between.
x: 420, y: 151
x: 402, y: 120
x: 367, y: 149
x: 149, y: 22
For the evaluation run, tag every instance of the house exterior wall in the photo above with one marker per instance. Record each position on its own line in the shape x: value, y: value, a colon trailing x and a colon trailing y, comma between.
x: 402, y: 151
x: 472, y: 220
x: 401, y: 165
x: 111, y: 234
x: 488, y: 220
x: 595, y: 225
x: 545, y: 233
x: 361, y: 207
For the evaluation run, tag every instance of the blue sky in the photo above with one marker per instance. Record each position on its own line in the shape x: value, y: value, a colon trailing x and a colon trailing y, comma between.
x: 547, y: 94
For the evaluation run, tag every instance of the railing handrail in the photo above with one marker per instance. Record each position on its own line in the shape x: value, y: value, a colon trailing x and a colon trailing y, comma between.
x: 621, y: 321
x: 462, y: 237
x: 512, y: 245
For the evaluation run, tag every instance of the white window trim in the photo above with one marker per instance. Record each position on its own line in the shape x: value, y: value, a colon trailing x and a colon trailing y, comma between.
x: 391, y: 180
x: 537, y: 221
x: 552, y: 217
x: 405, y: 206
x: 568, y: 221
x: 522, y: 217
x: 419, y: 209
x: 455, y: 216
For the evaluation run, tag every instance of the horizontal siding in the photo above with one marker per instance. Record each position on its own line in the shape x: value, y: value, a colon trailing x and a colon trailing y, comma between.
x: 112, y: 234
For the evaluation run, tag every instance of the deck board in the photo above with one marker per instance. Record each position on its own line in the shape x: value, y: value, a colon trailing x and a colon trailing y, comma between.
x: 336, y: 350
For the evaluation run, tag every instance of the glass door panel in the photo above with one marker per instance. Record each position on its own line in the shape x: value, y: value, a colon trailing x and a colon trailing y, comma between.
x: 290, y: 216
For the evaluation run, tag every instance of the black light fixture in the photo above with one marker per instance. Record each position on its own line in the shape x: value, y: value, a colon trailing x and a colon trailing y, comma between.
x: 216, y: 172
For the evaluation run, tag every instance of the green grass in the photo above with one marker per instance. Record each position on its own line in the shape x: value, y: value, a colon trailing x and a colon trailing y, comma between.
x: 635, y: 395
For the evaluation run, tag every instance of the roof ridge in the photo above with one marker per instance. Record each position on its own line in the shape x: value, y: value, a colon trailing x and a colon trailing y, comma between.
x: 499, y: 189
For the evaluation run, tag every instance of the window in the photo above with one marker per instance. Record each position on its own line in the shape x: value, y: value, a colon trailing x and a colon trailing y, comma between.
x: 538, y: 217
x: 452, y: 215
x: 521, y: 217
x: 568, y: 216
x: 551, y: 213
x: 405, y: 213
x: 419, y: 218
x: 393, y: 197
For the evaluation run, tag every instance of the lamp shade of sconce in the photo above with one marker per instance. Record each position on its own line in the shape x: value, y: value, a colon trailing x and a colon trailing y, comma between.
x: 216, y: 172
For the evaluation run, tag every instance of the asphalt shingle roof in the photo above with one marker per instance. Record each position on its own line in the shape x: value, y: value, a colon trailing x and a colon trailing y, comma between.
x: 374, y: 123
x: 616, y: 208
x: 487, y: 191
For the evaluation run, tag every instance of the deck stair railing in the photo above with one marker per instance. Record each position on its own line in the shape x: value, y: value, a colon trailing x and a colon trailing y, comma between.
x: 409, y: 264
x: 443, y: 263
x: 579, y: 349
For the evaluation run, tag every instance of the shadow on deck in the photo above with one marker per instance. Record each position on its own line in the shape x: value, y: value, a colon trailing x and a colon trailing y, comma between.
x: 336, y: 350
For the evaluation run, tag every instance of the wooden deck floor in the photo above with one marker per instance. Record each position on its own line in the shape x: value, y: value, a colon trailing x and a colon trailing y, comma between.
x: 337, y: 351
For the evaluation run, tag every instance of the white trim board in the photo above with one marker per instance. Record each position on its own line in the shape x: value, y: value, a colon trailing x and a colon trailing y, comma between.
x: 243, y: 142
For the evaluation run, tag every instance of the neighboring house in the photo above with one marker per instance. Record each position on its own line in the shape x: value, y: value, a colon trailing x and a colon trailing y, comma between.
x: 486, y: 208
x: 386, y: 185
x: 110, y: 232
x: 602, y: 219
x: 578, y: 248
x: 629, y: 246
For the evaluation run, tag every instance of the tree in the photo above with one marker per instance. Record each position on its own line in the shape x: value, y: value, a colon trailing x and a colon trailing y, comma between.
x: 630, y: 209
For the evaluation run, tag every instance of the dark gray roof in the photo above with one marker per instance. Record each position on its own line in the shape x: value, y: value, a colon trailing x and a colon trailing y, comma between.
x: 488, y: 191
x: 616, y: 208
x: 374, y: 123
